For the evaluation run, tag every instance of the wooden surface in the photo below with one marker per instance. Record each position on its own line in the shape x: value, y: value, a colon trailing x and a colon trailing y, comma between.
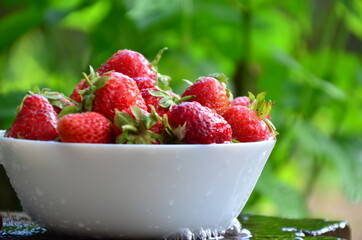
x: 18, y: 226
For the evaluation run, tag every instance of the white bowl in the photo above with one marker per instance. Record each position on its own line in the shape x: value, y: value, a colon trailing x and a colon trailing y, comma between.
x: 144, y: 191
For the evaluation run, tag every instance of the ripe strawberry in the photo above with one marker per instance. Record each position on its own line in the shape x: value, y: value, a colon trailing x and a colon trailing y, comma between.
x: 56, y: 99
x: 36, y: 120
x: 87, y: 127
x: 130, y: 63
x: 112, y: 91
x: 137, y: 126
x: 75, y: 95
x: 159, y: 99
x: 145, y: 82
x: 250, y: 124
x: 242, y: 101
x: 192, y: 123
x: 210, y: 92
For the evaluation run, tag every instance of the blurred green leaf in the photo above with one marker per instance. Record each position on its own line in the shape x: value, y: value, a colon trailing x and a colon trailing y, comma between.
x: 15, y: 25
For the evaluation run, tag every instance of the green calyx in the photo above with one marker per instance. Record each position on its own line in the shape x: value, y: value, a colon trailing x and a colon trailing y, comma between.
x: 262, y: 109
x: 173, y: 135
x: 136, y: 129
x: 95, y: 82
x: 168, y: 100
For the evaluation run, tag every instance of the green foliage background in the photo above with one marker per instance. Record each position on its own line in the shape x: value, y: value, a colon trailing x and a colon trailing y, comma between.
x: 305, y: 54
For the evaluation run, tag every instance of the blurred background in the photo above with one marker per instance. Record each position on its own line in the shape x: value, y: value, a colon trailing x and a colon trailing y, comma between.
x: 305, y: 54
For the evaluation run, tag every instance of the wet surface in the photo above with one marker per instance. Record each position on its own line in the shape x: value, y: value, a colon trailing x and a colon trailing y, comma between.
x: 18, y: 226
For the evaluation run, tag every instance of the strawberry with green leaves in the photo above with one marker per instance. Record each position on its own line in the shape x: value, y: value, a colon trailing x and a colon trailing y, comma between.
x: 192, y: 123
x: 75, y: 95
x: 36, y: 120
x: 56, y: 99
x: 136, y: 126
x: 210, y: 92
x: 160, y: 100
x: 110, y: 92
x: 87, y: 127
x: 249, y: 124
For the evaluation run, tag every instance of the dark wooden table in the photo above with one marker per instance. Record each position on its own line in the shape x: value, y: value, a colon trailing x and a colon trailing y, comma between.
x: 18, y: 226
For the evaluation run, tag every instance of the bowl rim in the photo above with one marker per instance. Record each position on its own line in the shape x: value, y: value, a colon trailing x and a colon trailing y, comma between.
x: 110, y: 145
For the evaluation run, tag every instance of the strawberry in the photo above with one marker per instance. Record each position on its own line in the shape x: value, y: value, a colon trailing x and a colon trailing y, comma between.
x: 192, y: 123
x: 130, y: 63
x: 210, y: 92
x: 159, y: 99
x: 137, y: 126
x: 251, y: 124
x: 75, y: 95
x: 36, y: 120
x: 242, y: 101
x: 145, y: 82
x: 56, y: 99
x: 87, y: 127
x: 112, y: 91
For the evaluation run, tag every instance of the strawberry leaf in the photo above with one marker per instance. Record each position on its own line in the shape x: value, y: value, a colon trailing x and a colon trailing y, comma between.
x: 136, y: 127
x: 221, y: 78
x: 69, y: 110
x: 163, y: 82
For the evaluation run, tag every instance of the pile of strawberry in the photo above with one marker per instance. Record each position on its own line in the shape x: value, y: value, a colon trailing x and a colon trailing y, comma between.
x: 127, y: 101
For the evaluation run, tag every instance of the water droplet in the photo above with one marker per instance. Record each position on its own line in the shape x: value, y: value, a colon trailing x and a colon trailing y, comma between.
x: 171, y: 202
x: 63, y: 201
x: 81, y: 225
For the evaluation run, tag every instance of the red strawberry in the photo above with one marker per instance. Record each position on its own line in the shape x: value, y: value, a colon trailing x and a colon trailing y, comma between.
x: 250, y: 124
x: 137, y: 126
x: 159, y: 99
x: 193, y: 123
x: 36, y: 120
x: 130, y: 63
x: 211, y: 93
x: 145, y: 82
x: 113, y: 91
x: 87, y: 127
x: 56, y: 99
x: 75, y: 95
x: 242, y: 101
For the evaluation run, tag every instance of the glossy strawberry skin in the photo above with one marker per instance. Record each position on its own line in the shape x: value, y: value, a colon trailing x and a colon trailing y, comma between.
x: 203, y: 126
x: 209, y: 92
x: 130, y: 63
x: 87, y: 127
x: 75, y: 93
x: 246, y: 125
x: 242, y: 101
x: 36, y: 120
x: 145, y: 82
x: 120, y: 92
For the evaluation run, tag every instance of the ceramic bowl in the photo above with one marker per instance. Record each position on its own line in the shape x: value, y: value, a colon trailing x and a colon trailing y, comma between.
x: 132, y: 191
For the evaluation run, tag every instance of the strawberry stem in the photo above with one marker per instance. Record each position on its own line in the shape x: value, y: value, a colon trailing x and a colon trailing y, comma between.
x: 155, y: 61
